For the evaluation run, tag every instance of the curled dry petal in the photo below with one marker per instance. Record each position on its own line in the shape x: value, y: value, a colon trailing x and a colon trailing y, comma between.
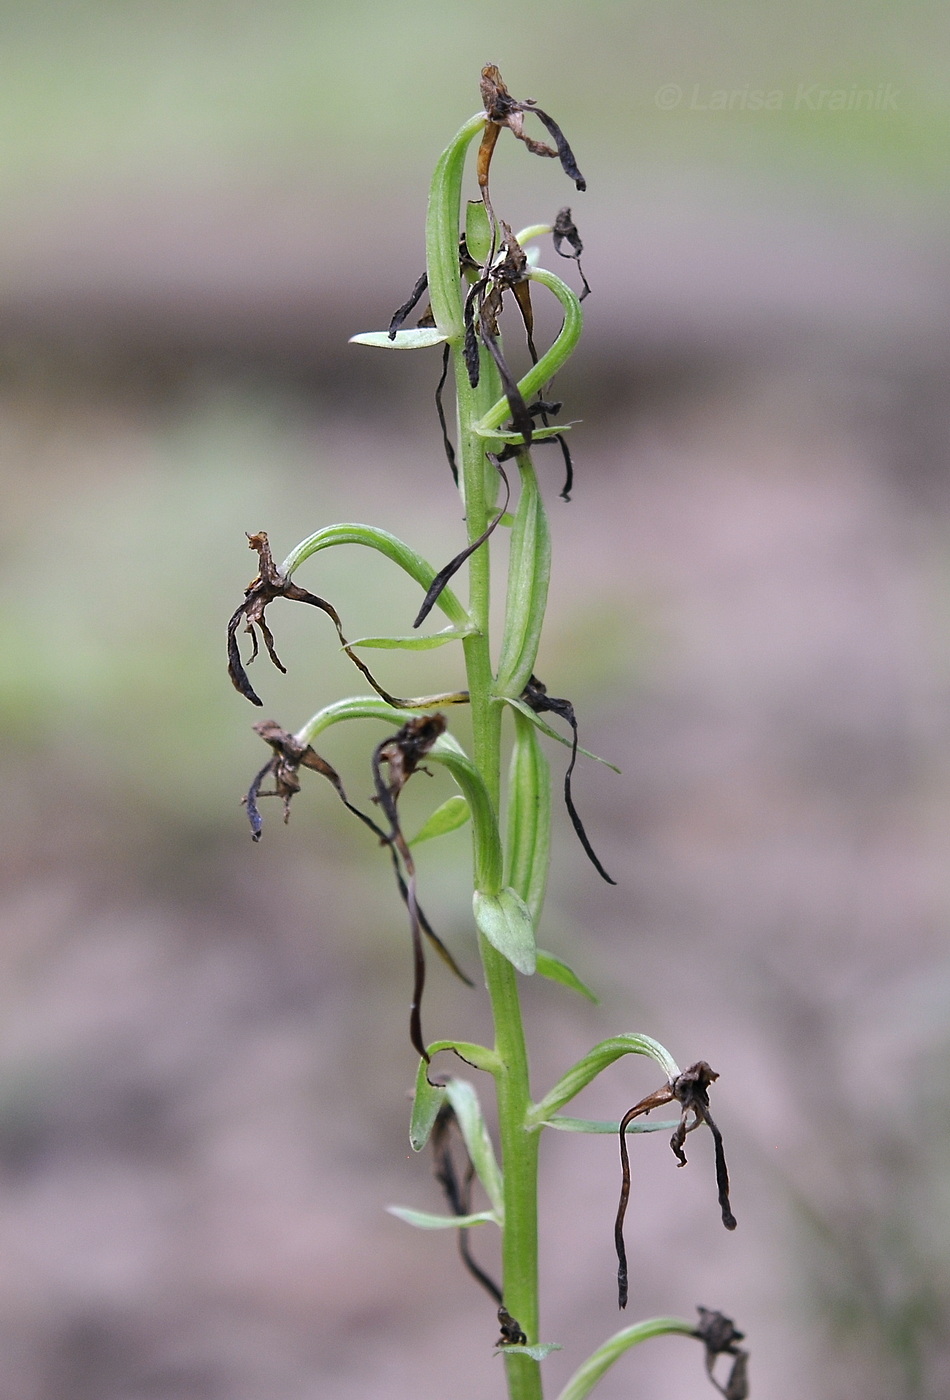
x: 504, y: 110
x: 536, y: 696
x: 565, y: 231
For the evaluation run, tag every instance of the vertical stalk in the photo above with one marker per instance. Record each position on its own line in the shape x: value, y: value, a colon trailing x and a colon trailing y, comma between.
x: 519, y: 1148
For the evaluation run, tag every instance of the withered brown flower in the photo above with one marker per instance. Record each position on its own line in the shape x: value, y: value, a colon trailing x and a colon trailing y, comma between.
x: 503, y: 110
x: 691, y: 1090
x: 260, y: 592
x: 290, y: 754
x: 269, y: 584
x: 721, y: 1337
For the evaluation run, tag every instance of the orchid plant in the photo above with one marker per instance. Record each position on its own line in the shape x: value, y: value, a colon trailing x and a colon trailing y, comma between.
x: 476, y: 266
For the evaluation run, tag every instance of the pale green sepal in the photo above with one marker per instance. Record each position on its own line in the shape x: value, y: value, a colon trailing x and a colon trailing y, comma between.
x: 537, y: 1353
x: 414, y: 642
x: 590, y: 1371
x: 601, y: 1125
x: 505, y: 920
x: 468, y: 1111
x: 426, y: 1102
x: 593, y: 1063
x: 424, y: 1220
x: 419, y: 339
x: 538, y: 722
x: 453, y: 813
x: 556, y: 970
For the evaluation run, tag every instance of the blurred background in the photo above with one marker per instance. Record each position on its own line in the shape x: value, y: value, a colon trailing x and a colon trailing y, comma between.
x: 204, y: 1054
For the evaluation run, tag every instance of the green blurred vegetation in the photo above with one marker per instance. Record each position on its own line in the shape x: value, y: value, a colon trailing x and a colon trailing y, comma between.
x: 216, y: 90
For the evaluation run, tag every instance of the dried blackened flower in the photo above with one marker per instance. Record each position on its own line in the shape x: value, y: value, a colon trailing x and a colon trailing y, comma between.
x: 457, y: 1189
x: 261, y: 591
x: 269, y: 584
x: 483, y: 305
x: 511, y: 1333
x: 691, y: 1090
x: 290, y: 755
x: 403, y: 753
x: 503, y: 110
x: 565, y: 231
x: 721, y: 1337
x: 535, y: 695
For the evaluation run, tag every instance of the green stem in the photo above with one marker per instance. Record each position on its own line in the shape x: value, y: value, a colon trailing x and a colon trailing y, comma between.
x: 519, y: 1148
